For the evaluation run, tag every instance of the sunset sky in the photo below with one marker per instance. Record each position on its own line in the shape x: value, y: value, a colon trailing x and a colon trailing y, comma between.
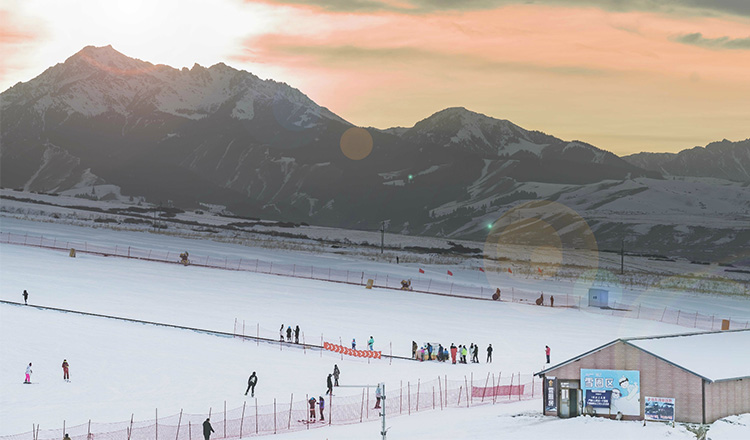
x: 624, y: 75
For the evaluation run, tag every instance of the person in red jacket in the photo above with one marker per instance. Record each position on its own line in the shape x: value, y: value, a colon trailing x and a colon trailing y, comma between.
x: 547, y: 352
x: 453, y: 353
x: 66, y: 374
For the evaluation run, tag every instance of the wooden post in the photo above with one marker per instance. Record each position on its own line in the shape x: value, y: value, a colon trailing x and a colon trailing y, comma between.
x: 362, y: 407
x: 179, y: 421
x: 256, y: 415
x: 471, y: 398
x: 433, y: 397
x: 510, y: 389
x: 63, y: 427
x: 367, y: 407
x: 130, y: 430
x: 460, y: 391
x: 532, y: 386
x: 274, y: 415
x: 494, y: 390
x: 242, y: 420
x: 89, y: 430
x: 440, y: 389
x: 418, y: 383
x: 225, y: 419
x: 485, y: 385
x: 519, y: 385
x: 157, y: 424
x: 190, y: 431
x: 446, y: 390
x: 467, y: 391
x: 291, y: 401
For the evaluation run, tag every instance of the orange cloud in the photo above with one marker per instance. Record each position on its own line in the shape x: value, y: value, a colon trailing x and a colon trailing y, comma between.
x: 13, y: 41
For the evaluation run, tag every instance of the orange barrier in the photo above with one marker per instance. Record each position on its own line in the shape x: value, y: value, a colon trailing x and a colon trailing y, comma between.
x: 351, y: 352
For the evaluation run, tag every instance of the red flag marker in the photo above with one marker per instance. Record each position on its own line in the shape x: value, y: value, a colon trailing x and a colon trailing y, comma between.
x: 421, y: 271
x: 510, y: 271
x: 481, y: 269
x: 450, y: 273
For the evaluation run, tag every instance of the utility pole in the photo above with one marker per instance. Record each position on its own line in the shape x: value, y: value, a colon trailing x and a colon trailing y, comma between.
x: 622, y: 256
x: 382, y: 235
x: 383, y: 431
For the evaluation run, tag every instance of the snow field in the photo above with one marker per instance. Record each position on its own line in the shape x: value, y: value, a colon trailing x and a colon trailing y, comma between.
x: 119, y: 368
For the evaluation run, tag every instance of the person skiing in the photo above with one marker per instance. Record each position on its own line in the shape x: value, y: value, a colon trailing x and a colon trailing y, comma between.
x: 28, y: 374
x: 312, y: 408
x: 336, y: 373
x: 429, y: 352
x: 296, y: 335
x: 464, y: 352
x: 289, y: 334
x: 25, y: 297
x: 322, y: 405
x: 475, y: 354
x: 370, y: 342
x: 281, y: 333
x: 66, y: 374
x: 440, y: 353
x: 378, y: 396
x: 551, y: 301
x: 489, y: 354
x: 251, y: 381
x: 471, y: 352
x: 207, y: 429
x: 329, y: 384
x: 453, y: 352
x: 547, y: 352
x: 354, y: 344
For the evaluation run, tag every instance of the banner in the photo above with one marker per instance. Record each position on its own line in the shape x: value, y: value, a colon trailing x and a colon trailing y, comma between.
x: 598, y: 398
x: 659, y: 408
x: 624, y: 387
x: 551, y: 384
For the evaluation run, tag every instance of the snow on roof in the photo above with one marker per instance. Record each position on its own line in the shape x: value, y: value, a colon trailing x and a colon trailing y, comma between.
x: 712, y: 355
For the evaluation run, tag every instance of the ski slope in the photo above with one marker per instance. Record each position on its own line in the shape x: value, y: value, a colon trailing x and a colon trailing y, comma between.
x: 120, y: 368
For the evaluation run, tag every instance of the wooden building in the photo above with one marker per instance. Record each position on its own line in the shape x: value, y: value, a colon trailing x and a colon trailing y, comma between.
x: 695, y: 378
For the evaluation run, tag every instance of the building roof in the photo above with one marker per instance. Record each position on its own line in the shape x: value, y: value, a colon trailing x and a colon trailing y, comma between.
x: 713, y: 356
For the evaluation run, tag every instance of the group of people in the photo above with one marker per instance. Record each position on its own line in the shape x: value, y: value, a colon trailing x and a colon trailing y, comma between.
x: 65, y: 367
x: 540, y: 300
x: 457, y: 354
x: 370, y: 343
x: 321, y: 405
x: 289, y: 333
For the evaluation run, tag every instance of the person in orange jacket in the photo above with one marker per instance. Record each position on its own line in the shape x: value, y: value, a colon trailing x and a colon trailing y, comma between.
x: 453, y: 352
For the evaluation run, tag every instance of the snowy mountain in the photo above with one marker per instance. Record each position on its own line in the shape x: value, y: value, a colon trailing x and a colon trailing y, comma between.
x: 260, y: 148
x: 723, y: 160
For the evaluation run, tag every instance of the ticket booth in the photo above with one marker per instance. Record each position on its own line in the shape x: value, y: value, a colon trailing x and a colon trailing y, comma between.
x: 569, y: 399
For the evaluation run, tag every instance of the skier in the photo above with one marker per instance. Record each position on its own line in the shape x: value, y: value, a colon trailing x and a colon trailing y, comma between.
x: 370, y: 342
x: 312, y: 408
x: 429, y: 351
x: 207, y: 429
x: 66, y: 374
x: 440, y: 353
x: 28, y: 374
x: 551, y: 301
x: 414, y: 349
x: 281, y: 333
x: 354, y: 344
x: 296, y: 335
x: 25, y: 297
x: 475, y: 355
x: 289, y: 334
x: 547, y: 352
x: 464, y: 352
x: 322, y: 405
x: 329, y: 384
x: 336, y: 373
x: 378, y: 396
x: 471, y: 352
x: 489, y: 354
x: 453, y: 353
x: 251, y: 381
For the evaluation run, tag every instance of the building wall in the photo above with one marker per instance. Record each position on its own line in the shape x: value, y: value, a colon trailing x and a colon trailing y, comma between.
x: 658, y: 378
x: 727, y: 398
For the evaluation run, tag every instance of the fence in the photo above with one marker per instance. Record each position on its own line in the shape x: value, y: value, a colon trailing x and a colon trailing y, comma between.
x: 294, y: 415
x: 430, y: 286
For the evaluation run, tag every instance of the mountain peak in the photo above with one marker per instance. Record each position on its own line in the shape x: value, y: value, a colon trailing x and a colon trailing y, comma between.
x: 107, y: 58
